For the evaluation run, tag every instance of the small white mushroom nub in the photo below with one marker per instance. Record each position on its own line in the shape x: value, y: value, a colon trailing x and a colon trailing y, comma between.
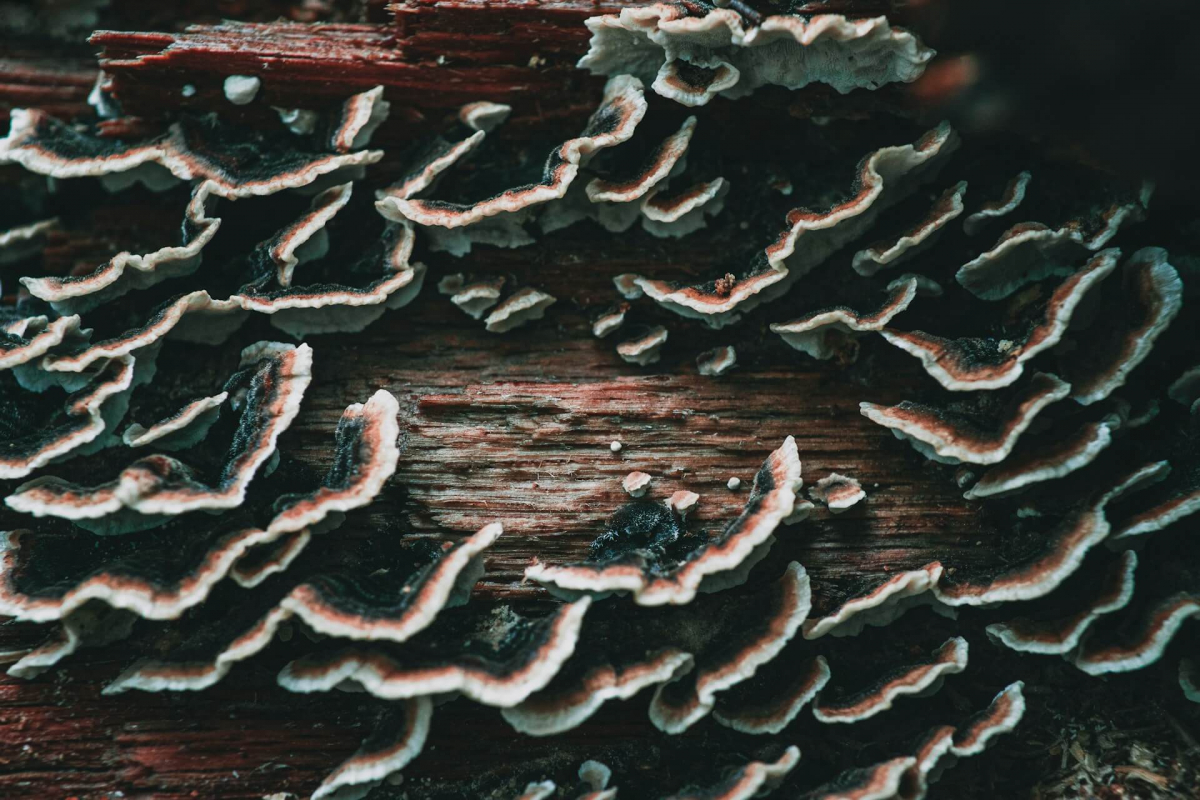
x: 683, y: 501
x: 241, y: 89
x: 595, y: 775
x: 636, y: 483
x: 717, y: 361
x: 838, y: 492
x: 615, y: 446
x: 734, y: 484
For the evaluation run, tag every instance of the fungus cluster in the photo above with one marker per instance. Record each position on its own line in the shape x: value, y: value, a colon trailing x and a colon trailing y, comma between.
x: 165, y: 512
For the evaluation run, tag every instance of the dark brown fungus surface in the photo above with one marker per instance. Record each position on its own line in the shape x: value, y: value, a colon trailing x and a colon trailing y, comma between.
x: 621, y: 109
x: 647, y: 552
x: 1000, y: 717
x: 755, y: 779
x: 768, y: 702
x: 1057, y: 554
x: 53, y: 571
x: 954, y: 436
x: 305, y: 238
x: 691, y: 654
x: 695, y: 83
x: 93, y: 625
x: 590, y: 679
x: 645, y: 347
x: 890, y: 253
x: 678, y: 213
x: 494, y: 656
x: 397, y: 738
x: 838, y: 492
x: 268, y: 558
x: 1151, y: 296
x: 1143, y: 640
x: 932, y: 755
x: 476, y: 296
x: 657, y: 166
x: 522, y: 306
x: 267, y: 391
x: 429, y: 159
x: 1038, y: 462
x: 83, y: 422
x: 974, y: 363
x: 127, y: 271
x: 179, y: 430
x: 1057, y: 634
x: 349, y: 601
x: 343, y: 291
x: 914, y: 679
x: 237, y: 162
x: 717, y: 361
x: 610, y: 320
x: 1008, y: 202
x: 884, y: 178
x: 373, y: 608
x: 810, y: 237
x: 727, y: 660
x: 819, y: 333
x: 158, y: 574
x: 27, y: 338
x: 879, y: 782
x: 877, y: 603
x: 1165, y: 600
x: 1031, y: 251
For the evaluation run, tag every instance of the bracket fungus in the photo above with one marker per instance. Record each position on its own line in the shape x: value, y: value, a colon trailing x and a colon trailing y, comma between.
x: 690, y: 53
x: 877, y: 604
x: 475, y: 297
x: 971, y: 364
x: 1059, y: 635
x: 646, y: 550
x: 727, y: 660
x: 921, y: 678
x: 838, y: 492
x: 194, y: 148
x: 495, y: 657
x: 953, y: 437
x: 522, y: 306
x: 342, y: 603
x: 636, y: 483
x: 645, y: 348
x: 887, y: 254
x: 181, y: 429
x: 398, y: 738
x: 1031, y: 251
x: 85, y: 418
x: 655, y: 168
x: 883, y: 178
x: 1010, y: 199
x: 266, y: 391
x: 620, y: 111
x: 820, y: 333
